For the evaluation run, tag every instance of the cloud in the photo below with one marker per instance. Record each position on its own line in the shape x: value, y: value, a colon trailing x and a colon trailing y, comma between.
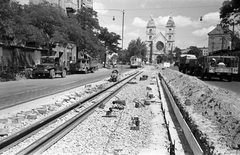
x: 212, y: 17
x: 99, y: 7
x: 180, y: 21
x: 203, y: 32
x: 139, y: 22
x: 133, y: 35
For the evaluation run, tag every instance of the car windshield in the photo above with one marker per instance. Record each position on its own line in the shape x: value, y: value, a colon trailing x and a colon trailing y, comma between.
x: 47, y: 60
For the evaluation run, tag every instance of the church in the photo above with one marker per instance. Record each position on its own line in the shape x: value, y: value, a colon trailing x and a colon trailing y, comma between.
x: 159, y: 44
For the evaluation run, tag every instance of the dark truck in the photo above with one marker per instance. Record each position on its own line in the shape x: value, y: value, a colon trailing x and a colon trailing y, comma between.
x: 219, y: 66
x: 85, y: 63
x: 49, y: 67
x: 187, y: 63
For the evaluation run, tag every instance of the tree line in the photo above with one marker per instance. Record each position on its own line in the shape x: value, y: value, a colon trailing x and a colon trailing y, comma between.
x: 46, y: 25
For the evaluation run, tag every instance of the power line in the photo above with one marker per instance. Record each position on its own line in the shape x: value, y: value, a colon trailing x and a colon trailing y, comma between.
x: 182, y: 7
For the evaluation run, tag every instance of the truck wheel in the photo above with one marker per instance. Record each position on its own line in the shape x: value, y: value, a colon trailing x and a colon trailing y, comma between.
x: 52, y: 74
x: 34, y: 76
x: 64, y: 73
x: 202, y: 75
x: 230, y: 78
x: 209, y: 76
x: 221, y: 77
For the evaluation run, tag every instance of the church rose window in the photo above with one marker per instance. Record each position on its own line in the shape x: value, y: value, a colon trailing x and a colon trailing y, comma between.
x: 159, y: 45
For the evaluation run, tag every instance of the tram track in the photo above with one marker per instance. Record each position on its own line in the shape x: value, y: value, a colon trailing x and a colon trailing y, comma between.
x: 22, y: 135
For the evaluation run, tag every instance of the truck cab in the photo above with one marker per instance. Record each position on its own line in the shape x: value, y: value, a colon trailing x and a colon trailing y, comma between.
x: 50, y: 66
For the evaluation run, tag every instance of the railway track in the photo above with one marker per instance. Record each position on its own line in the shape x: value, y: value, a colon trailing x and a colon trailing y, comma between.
x: 83, y: 108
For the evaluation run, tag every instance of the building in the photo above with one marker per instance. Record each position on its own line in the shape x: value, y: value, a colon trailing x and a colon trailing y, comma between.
x: 204, y: 51
x: 219, y: 39
x: 158, y: 43
x: 67, y: 5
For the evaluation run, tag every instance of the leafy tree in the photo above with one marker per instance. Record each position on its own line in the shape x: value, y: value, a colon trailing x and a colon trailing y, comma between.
x: 229, y: 14
x: 177, y: 52
x: 137, y: 48
x: 194, y: 50
x: 47, y: 23
x: 12, y: 25
x: 230, y: 8
x: 109, y: 39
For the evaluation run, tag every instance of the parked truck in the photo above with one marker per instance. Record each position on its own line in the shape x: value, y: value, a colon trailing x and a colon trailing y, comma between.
x: 85, y: 63
x: 49, y: 67
x: 219, y: 66
x: 187, y: 63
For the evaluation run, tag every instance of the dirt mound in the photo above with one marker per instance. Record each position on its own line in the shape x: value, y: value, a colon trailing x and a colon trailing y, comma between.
x: 215, y: 112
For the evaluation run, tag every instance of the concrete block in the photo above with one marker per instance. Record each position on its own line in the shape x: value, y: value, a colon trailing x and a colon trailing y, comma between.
x: 52, y: 107
x: 32, y: 116
x: 72, y: 101
x: 58, y: 103
x: 41, y: 111
x: 147, y: 102
x: 4, y: 121
x: 3, y: 132
x: 149, y: 88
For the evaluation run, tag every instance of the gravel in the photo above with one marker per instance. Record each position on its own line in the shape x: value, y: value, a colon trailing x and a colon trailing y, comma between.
x: 214, y: 111
x: 113, y: 135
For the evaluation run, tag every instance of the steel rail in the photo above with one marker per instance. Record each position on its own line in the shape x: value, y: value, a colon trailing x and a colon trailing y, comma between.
x: 196, y: 148
x: 55, y: 135
x: 21, y: 135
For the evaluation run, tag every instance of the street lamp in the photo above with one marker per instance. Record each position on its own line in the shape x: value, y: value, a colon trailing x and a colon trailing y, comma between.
x: 122, y: 30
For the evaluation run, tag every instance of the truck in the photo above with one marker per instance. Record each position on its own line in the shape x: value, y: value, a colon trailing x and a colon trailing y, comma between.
x: 187, y: 63
x: 85, y: 63
x: 49, y: 67
x: 219, y: 66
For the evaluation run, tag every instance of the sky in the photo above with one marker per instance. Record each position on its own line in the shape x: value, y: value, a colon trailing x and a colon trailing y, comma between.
x: 189, y: 30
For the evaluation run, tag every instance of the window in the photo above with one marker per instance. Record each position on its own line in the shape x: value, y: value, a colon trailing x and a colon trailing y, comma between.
x: 150, y: 30
x: 169, y: 37
x: 150, y: 37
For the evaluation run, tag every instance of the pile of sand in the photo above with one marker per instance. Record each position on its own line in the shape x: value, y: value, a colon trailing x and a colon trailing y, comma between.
x: 214, y: 113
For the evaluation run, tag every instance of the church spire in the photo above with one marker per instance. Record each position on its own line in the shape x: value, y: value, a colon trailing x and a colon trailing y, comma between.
x: 151, y: 22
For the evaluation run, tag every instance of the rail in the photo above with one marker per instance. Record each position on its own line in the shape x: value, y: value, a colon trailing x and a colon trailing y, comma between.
x: 18, y: 137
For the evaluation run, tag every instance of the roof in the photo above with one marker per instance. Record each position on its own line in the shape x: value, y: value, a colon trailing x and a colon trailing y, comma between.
x: 170, y: 22
x: 151, y: 22
x: 189, y: 56
x: 220, y: 30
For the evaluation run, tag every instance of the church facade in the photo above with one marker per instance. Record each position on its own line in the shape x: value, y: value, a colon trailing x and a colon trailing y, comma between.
x: 159, y: 44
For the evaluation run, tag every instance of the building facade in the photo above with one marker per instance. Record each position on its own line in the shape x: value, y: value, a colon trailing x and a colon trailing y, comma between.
x: 219, y: 39
x: 67, y: 5
x: 158, y: 43
x: 204, y: 51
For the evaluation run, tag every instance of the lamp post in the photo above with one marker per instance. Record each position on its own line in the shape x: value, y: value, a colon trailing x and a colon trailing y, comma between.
x: 123, y: 11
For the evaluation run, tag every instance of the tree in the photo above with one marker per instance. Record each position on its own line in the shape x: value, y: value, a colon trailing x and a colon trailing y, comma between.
x: 12, y: 24
x: 110, y: 40
x: 228, y: 11
x: 47, y: 21
x: 177, y: 52
x: 137, y: 48
x: 194, y: 50
x: 229, y: 14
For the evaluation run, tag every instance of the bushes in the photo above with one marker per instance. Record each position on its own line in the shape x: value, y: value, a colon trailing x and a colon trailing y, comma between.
x: 11, y: 73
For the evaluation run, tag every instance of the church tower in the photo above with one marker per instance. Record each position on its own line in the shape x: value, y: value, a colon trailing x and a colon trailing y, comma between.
x: 170, y: 35
x: 151, y: 33
x: 151, y: 29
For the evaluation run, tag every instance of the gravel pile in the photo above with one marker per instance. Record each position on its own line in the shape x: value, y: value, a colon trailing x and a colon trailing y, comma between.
x: 114, y: 135
x: 213, y: 111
